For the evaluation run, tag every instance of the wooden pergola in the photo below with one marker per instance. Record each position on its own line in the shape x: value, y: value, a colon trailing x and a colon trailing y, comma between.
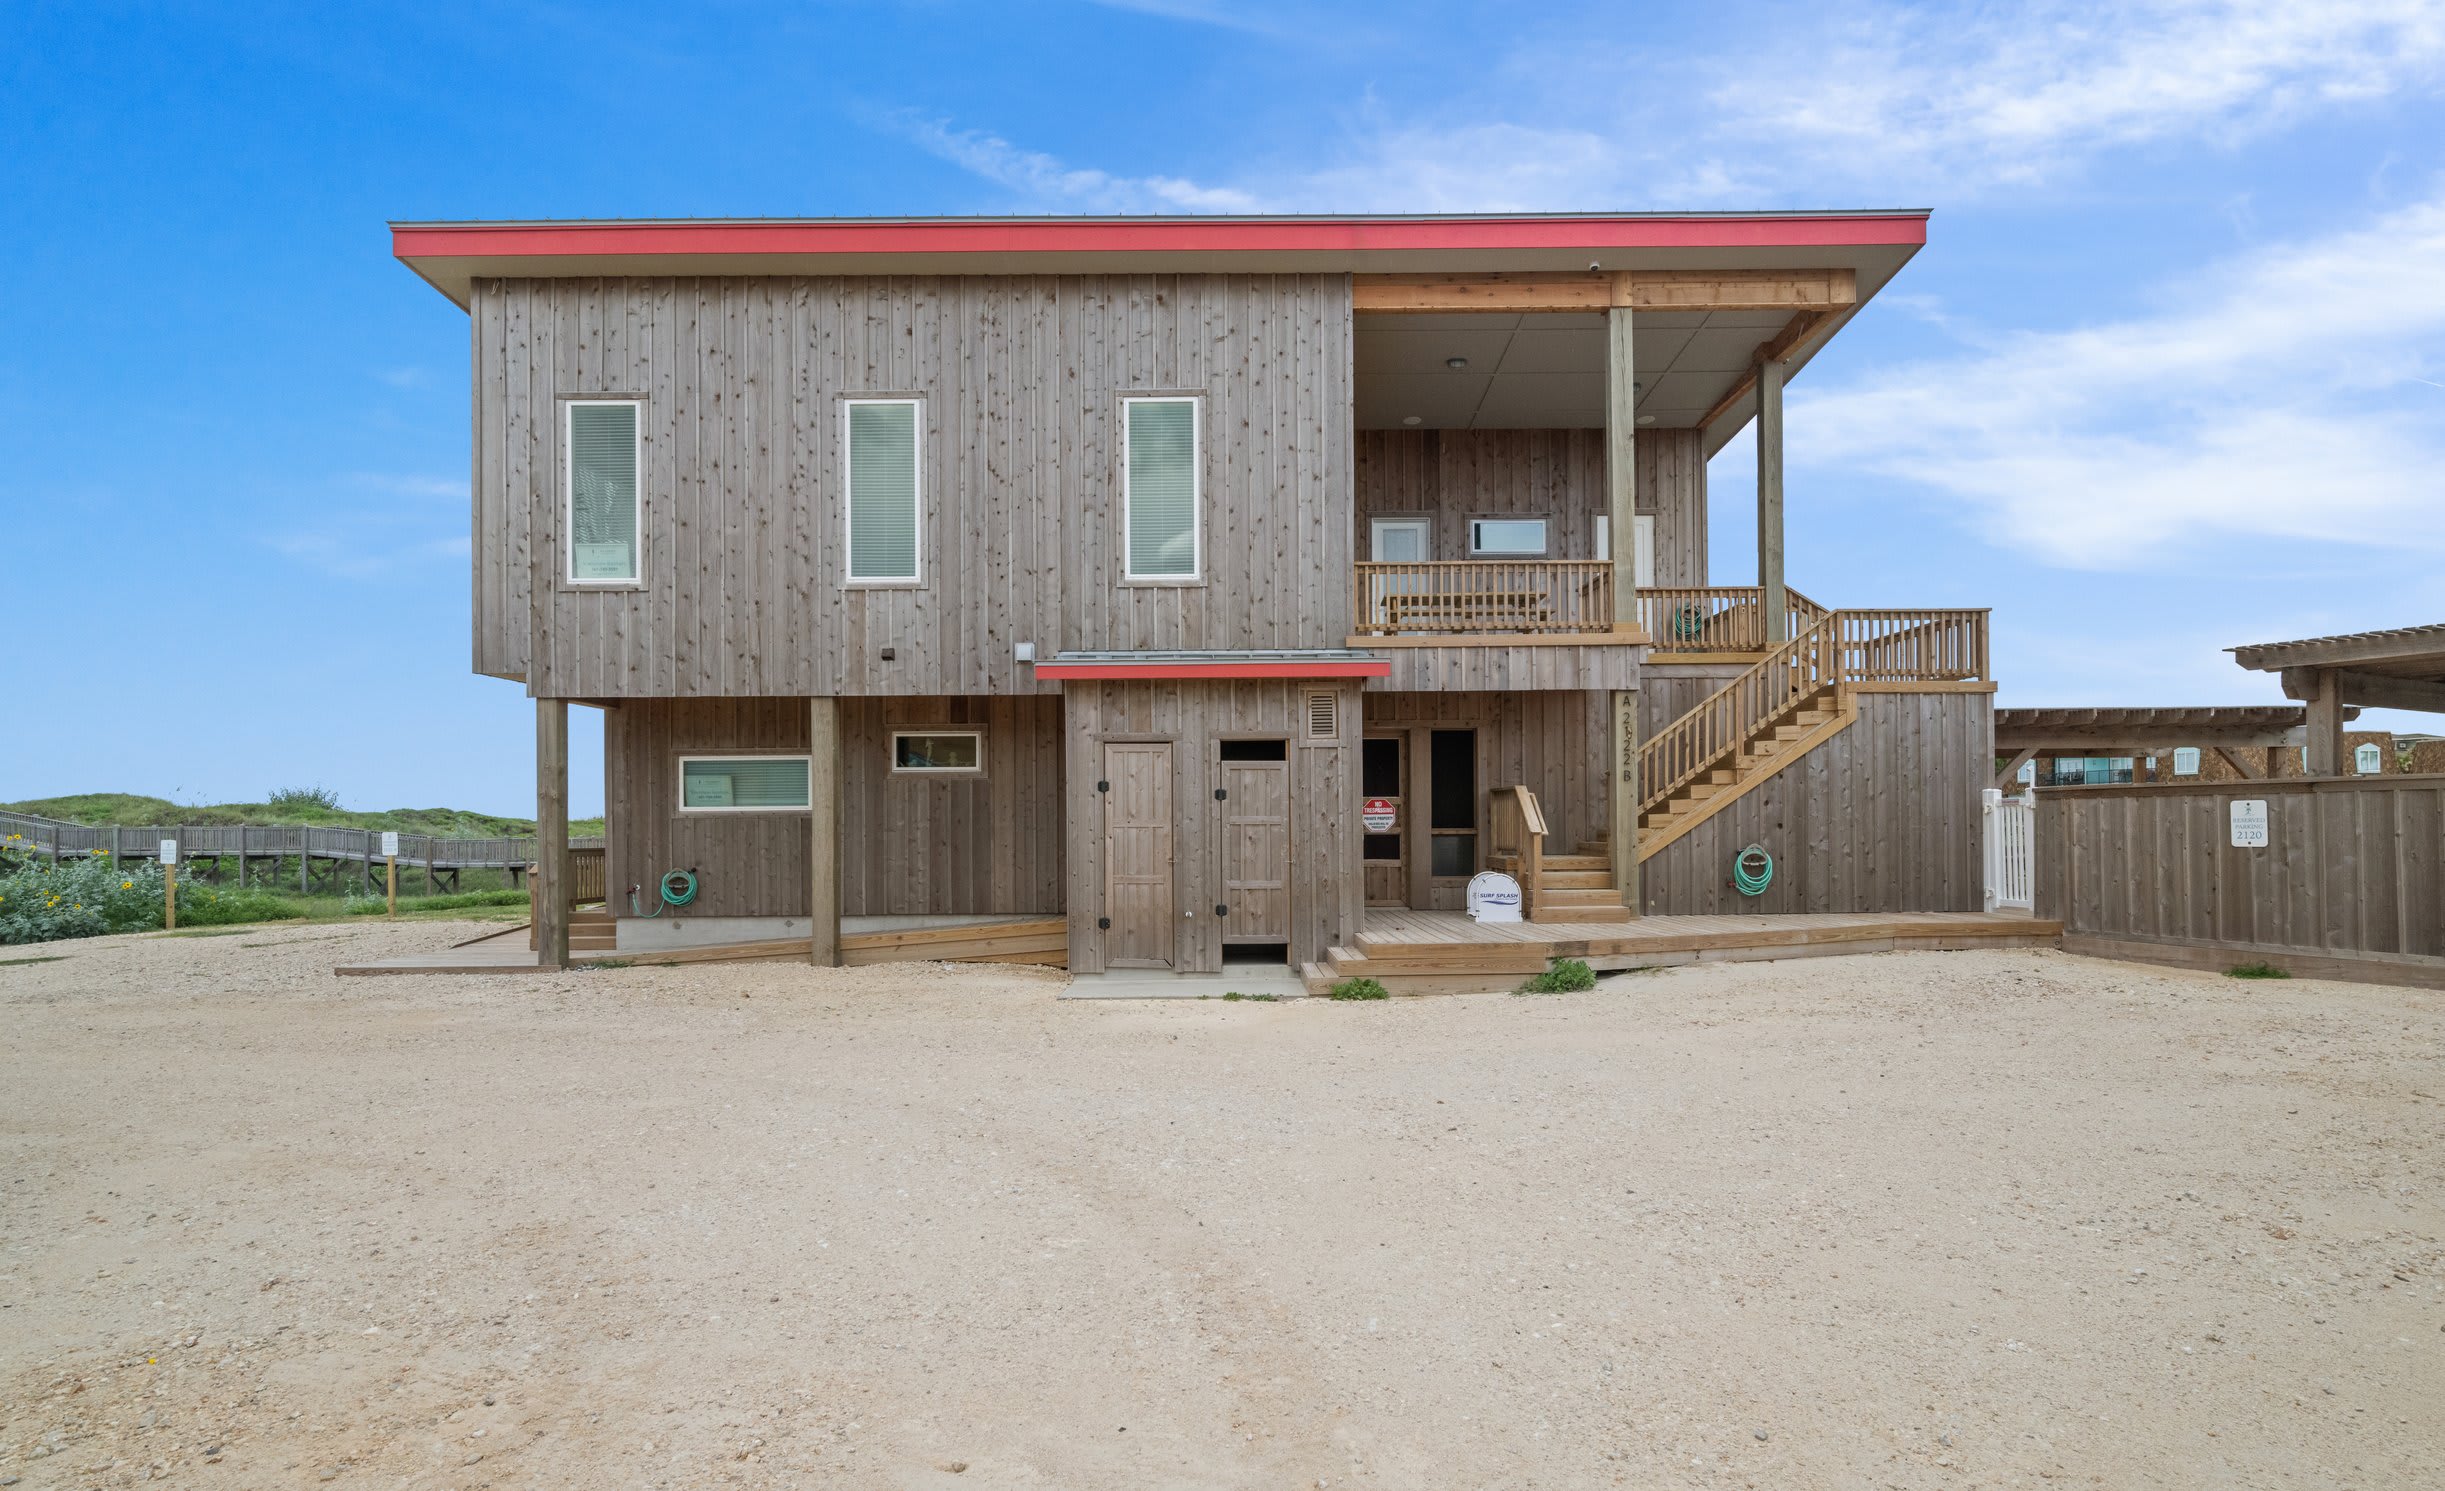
x: 2400, y: 668
x: 2022, y: 734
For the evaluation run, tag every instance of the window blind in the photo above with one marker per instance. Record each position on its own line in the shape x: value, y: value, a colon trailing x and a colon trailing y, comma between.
x: 744, y: 782
x: 883, y: 491
x: 602, y: 491
x: 1162, y: 488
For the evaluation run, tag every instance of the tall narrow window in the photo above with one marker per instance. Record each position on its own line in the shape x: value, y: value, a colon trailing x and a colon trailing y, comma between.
x: 1159, y: 488
x: 602, y: 474
x: 883, y: 491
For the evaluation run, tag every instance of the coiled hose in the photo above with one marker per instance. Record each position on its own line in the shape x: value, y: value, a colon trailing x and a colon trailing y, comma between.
x: 678, y: 889
x: 1752, y: 870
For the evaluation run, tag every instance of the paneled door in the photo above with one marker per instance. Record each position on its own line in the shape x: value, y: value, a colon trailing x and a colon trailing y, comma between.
x: 1138, y: 854
x: 1255, y: 840
x: 1383, y: 860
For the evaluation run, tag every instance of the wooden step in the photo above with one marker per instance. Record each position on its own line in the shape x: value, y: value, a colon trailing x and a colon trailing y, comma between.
x: 1574, y: 879
x: 1574, y: 862
x: 1314, y: 979
x: 1612, y: 911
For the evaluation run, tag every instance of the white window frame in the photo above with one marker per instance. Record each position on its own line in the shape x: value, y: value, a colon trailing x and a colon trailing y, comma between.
x: 1424, y: 527
x: 568, y: 497
x: 1642, y: 568
x: 848, y: 507
x: 1544, y: 522
x: 902, y: 732
x: 1197, y: 489
x: 681, y: 780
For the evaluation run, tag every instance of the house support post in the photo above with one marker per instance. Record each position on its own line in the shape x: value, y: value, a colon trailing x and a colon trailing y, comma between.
x: 1770, y: 501
x: 823, y: 830
x: 1621, y: 503
x: 552, y: 833
x: 2325, y: 724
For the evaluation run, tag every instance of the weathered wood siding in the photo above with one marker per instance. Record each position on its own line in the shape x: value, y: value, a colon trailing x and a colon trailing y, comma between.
x: 743, y: 567
x: 2352, y: 864
x: 1553, y: 743
x: 1539, y: 666
x: 1882, y: 817
x: 910, y: 845
x: 1668, y: 691
x: 1454, y: 475
x: 1325, y: 886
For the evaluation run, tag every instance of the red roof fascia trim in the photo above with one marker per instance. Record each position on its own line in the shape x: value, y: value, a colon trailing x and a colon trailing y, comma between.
x: 1366, y: 668
x: 514, y: 240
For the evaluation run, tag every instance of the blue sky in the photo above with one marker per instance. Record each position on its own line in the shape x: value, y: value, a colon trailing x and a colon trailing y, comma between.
x: 2169, y: 377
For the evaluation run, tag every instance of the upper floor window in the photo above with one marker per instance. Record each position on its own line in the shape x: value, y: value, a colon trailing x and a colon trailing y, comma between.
x: 884, y: 497
x: 1507, y: 536
x: 605, y: 527
x: 1159, y: 488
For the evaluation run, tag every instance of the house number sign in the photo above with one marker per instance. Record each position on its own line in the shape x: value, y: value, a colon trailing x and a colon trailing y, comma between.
x: 1378, y: 815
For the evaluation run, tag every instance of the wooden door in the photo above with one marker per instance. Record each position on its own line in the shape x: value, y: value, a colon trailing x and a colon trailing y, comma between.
x: 1384, y: 857
x: 1255, y: 839
x: 1138, y: 855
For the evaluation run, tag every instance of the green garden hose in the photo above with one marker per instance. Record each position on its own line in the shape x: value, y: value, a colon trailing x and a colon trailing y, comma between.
x: 1752, y: 870
x: 678, y: 889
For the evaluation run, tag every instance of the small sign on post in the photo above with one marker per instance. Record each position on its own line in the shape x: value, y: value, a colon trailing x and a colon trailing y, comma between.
x: 390, y: 873
x: 2250, y: 823
x: 169, y: 885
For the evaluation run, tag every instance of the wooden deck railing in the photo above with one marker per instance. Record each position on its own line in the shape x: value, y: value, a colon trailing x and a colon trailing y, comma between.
x: 1465, y: 596
x: 1516, y: 840
x: 1716, y: 618
x: 1842, y: 647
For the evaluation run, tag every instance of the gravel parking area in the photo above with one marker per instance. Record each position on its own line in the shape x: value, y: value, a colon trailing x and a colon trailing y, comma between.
x: 1911, y: 1220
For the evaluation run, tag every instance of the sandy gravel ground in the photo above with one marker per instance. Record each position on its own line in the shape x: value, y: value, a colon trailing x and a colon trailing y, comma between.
x: 1926, y: 1220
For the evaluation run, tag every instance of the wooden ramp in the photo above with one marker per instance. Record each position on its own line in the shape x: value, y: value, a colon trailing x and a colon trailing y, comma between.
x: 1039, y: 941
x: 1443, y: 952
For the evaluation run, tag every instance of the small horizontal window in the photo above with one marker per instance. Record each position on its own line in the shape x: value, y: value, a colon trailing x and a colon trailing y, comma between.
x: 938, y: 751
x: 1507, y: 536
x: 743, y: 784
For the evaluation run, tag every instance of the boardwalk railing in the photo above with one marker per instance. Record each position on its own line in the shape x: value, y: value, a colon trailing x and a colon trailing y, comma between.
x: 53, y: 839
x: 1469, y: 596
x: 1716, y: 618
x: 1842, y: 647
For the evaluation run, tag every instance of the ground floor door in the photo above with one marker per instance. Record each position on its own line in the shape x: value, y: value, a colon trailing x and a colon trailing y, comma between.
x: 1138, y: 910
x: 1254, y: 809
x: 1383, y: 856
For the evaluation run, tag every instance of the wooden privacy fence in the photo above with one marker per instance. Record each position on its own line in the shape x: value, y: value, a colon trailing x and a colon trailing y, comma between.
x: 1486, y: 595
x: 2347, y: 883
x: 1716, y: 618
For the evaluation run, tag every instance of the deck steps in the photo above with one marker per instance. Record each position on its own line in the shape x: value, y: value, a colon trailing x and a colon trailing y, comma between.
x: 1787, y: 737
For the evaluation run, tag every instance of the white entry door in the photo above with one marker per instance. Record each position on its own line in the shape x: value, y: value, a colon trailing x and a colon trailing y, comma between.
x: 1399, y: 540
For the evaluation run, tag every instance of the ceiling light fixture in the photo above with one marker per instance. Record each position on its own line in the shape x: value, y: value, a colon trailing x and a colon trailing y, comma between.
x: 1646, y: 419
x: 1457, y: 364
x: 1411, y: 419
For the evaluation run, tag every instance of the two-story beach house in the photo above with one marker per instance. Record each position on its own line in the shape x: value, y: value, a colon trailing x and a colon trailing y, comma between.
x: 1192, y: 584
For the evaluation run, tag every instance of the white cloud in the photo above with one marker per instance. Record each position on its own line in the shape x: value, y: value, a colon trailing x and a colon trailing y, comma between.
x: 2282, y: 397
x: 1041, y: 181
x: 2015, y: 97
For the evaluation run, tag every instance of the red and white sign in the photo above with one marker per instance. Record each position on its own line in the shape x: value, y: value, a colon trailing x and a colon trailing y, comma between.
x: 1378, y: 815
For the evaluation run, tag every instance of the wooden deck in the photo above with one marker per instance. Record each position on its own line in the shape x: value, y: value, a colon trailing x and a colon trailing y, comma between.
x: 1443, y: 952
x: 1043, y: 941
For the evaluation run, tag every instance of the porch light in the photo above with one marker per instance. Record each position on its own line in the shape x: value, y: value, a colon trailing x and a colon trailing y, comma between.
x: 1411, y: 419
x: 1457, y: 364
x: 1646, y: 419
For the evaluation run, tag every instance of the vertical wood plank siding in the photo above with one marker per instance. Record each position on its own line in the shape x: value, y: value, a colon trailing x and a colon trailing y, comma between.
x: 1021, y: 379
x: 1551, y: 743
x: 911, y: 845
x: 1668, y: 691
x: 1325, y: 886
x: 2352, y: 864
x: 1882, y: 817
x: 1453, y: 475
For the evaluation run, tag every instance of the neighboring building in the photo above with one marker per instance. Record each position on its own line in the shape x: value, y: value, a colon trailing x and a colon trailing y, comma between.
x: 1204, y: 582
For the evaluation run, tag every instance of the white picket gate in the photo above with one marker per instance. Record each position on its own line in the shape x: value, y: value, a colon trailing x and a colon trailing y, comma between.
x: 2011, y: 852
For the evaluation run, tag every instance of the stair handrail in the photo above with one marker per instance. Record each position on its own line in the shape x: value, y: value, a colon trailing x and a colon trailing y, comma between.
x: 1516, y: 821
x: 1874, y: 645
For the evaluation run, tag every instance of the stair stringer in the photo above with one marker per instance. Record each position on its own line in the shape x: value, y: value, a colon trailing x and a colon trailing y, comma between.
x: 1846, y: 712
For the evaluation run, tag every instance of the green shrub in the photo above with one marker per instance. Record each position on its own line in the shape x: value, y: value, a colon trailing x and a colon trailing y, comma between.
x: 303, y: 797
x: 205, y: 905
x: 1358, y: 988
x: 2256, y: 970
x: 374, y: 905
x: 43, y: 902
x: 1566, y: 976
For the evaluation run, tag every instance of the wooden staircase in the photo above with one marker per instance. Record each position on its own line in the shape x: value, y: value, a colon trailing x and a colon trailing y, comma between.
x: 592, y: 929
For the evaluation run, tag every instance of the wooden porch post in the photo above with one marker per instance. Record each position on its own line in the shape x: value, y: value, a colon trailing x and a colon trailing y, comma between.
x: 552, y: 833
x: 1770, y: 501
x: 1621, y: 501
x: 2325, y: 722
x: 823, y: 843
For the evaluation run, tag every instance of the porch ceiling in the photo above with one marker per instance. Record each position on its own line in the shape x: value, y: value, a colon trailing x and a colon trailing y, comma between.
x: 1546, y: 370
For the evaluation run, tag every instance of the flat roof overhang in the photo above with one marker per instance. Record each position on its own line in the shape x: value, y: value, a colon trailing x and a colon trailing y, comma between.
x: 1153, y: 666
x: 2150, y: 728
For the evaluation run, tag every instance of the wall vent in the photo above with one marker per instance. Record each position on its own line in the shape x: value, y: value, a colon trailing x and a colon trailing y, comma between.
x: 1323, y: 717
